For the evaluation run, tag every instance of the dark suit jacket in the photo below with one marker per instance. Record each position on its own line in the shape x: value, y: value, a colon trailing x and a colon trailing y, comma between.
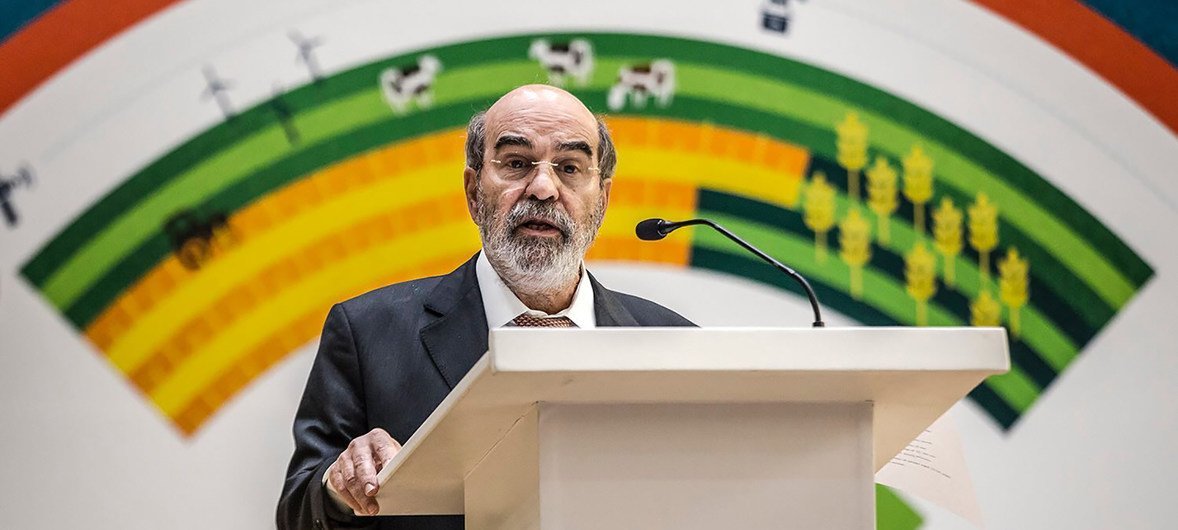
x: 387, y: 359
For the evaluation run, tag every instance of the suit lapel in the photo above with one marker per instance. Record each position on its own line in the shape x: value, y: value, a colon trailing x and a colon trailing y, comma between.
x: 457, y: 336
x: 608, y: 309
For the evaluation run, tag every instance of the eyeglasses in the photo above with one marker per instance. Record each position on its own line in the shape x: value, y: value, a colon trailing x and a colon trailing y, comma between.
x: 572, y: 170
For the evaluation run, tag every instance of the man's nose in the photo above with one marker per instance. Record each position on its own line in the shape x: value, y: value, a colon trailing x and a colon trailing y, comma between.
x: 543, y: 185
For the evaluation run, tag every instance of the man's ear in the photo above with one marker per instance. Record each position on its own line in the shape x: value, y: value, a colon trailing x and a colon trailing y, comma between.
x: 605, y: 187
x: 470, y: 181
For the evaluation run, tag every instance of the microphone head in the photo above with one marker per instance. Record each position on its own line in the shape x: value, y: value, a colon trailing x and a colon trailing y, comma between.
x: 650, y: 230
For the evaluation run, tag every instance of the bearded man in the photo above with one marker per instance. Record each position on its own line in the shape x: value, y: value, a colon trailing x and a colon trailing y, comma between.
x: 538, y: 176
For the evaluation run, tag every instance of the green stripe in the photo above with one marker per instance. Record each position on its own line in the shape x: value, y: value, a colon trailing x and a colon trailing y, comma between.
x: 813, y: 108
x: 821, y: 110
x: 891, y: 263
x: 471, y: 53
x: 227, y: 167
x: 250, y: 188
x: 1045, y: 268
x: 880, y: 291
x: 1052, y: 344
x: 879, y: 102
x: 116, y: 281
x: 1037, y: 331
x: 891, y: 513
x: 321, y: 120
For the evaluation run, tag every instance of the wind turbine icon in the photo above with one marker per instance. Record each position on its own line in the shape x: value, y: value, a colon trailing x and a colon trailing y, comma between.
x: 22, y: 178
x: 216, y: 88
x: 306, y: 56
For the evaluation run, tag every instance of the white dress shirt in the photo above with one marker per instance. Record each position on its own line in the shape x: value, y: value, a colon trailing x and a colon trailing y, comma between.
x: 502, y: 305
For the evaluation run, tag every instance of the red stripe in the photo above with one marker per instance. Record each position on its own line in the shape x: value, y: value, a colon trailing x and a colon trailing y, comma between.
x: 1103, y: 47
x: 62, y: 35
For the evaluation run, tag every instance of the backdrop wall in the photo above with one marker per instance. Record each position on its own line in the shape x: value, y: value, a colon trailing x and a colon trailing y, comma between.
x: 188, y: 186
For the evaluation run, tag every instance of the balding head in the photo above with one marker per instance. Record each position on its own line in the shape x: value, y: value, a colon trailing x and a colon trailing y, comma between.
x: 539, y: 102
x: 532, y: 107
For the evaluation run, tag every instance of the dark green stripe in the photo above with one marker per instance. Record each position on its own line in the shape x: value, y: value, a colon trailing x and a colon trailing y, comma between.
x: 458, y: 55
x: 104, y: 291
x: 256, y: 185
x: 755, y: 270
x: 881, y: 259
x: 887, y: 260
x: 1071, y: 304
x: 1046, y: 267
x: 930, y: 125
x: 1003, y: 413
x: 732, y: 264
x: 196, y: 150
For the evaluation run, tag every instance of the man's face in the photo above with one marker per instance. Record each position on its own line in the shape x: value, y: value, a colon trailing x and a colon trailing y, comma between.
x: 538, y: 220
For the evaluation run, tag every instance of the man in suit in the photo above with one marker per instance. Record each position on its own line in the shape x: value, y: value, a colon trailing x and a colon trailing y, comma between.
x: 538, y: 176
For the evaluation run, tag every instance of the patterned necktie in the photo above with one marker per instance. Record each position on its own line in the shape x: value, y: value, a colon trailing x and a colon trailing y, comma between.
x: 527, y: 321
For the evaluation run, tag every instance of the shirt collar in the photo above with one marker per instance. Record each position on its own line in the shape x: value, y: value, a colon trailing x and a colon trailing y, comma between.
x: 502, y: 305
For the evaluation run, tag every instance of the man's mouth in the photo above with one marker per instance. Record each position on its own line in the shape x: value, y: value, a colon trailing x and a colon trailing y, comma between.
x: 539, y: 227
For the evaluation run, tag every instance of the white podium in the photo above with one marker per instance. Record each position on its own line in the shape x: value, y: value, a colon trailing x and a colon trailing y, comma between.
x: 661, y: 428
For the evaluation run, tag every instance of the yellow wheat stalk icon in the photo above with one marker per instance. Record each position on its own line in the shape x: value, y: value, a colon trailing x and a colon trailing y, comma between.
x: 947, y: 237
x: 852, y: 150
x: 920, y: 269
x: 985, y: 311
x: 918, y: 184
x: 1012, y: 285
x: 855, y: 248
x: 818, y: 212
x: 881, y: 196
x: 983, y: 232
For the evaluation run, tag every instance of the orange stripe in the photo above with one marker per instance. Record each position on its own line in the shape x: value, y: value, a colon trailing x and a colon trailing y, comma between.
x: 299, y: 332
x: 62, y: 35
x: 1103, y: 47
x: 355, y: 240
x: 290, y: 271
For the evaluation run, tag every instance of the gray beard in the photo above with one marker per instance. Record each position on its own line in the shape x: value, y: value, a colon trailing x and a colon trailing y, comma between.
x: 535, y: 265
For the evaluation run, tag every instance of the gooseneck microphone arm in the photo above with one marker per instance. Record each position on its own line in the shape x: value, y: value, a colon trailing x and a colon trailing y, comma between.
x: 656, y: 229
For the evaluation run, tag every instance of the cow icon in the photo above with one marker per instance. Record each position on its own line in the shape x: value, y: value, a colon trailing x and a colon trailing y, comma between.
x: 573, y: 58
x: 413, y: 85
x: 640, y: 82
x: 196, y: 239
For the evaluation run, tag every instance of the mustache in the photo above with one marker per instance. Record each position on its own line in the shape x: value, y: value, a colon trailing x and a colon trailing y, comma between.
x: 545, y: 211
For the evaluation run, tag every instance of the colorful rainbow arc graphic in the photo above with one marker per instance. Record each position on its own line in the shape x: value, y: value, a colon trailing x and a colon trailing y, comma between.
x: 1119, y: 40
x: 367, y: 197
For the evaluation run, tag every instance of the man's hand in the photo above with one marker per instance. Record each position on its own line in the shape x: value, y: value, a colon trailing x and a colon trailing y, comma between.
x: 352, y: 477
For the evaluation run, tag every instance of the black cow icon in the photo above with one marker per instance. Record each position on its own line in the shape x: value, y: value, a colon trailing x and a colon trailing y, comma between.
x: 412, y: 84
x: 196, y: 239
x: 573, y: 58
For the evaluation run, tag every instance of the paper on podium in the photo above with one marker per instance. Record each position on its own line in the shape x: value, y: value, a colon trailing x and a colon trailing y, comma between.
x: 933, y: 467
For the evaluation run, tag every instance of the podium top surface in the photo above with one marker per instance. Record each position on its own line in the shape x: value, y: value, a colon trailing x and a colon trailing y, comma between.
x: 911, y: 375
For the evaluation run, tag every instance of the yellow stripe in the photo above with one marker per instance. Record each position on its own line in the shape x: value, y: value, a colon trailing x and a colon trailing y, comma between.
x: 317, y: 290
x: 176, y: 319
x: 734, y: 176
x: 223, y: 274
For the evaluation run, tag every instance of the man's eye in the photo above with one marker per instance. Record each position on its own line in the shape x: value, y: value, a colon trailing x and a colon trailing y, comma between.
x: 570, y: 169
x: 516, y: 163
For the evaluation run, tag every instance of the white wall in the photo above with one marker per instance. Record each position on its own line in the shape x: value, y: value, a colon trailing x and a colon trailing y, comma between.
x: 81, y: 448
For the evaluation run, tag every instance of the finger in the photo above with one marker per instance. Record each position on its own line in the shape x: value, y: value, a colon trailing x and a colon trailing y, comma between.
x: 348, y: 472
x: 385, y: 448
x: 339, y: 485
x: 355, y: 487
x: 365, y: 478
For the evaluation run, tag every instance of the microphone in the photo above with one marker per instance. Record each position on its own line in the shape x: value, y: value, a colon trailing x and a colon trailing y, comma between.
x: 656, y: 229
